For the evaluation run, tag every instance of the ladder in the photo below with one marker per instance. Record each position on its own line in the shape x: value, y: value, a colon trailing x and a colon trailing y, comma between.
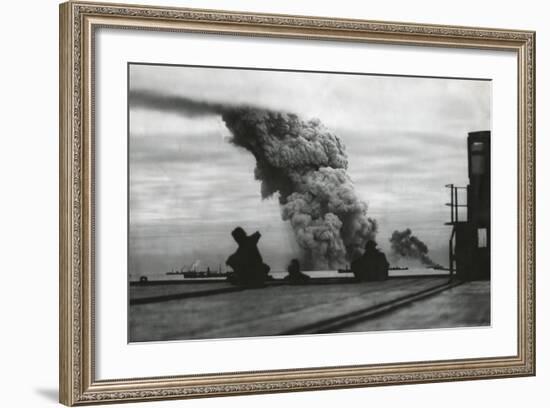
x: 454, y: 205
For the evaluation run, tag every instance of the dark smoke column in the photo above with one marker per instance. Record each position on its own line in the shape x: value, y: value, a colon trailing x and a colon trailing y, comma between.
x: 405, y: 244
x: 306, y: 164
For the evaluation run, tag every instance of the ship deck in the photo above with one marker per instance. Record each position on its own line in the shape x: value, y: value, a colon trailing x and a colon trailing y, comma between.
x: 215, y: 309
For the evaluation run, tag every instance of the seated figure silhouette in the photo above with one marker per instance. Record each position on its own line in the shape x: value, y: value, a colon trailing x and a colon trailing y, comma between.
x: 372, y: 265
x: 249, y: 268
x: 295, y: 276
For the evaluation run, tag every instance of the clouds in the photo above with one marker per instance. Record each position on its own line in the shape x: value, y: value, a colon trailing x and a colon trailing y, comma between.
x: 405, y: 139
x: 362, y: 101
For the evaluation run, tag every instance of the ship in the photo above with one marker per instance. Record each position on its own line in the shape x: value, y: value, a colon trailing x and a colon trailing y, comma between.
x: 193, y: 273
x: 391, y: 268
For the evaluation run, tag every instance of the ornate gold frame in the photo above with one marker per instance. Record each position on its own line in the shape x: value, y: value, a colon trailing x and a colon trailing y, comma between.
x: 78, y: 20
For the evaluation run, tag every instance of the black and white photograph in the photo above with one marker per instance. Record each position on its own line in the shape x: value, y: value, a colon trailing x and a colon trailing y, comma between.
x: 266, y: 202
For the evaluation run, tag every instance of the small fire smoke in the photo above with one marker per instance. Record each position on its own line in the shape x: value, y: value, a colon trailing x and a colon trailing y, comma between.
x: 195, y: 265
x: 404, y: 244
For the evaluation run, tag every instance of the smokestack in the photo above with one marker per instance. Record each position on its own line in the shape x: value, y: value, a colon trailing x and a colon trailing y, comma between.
x: 306, y: 164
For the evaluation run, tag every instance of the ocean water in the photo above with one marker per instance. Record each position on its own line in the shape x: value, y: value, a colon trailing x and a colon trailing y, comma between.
x: 314, y: 274
x: 336, y: 274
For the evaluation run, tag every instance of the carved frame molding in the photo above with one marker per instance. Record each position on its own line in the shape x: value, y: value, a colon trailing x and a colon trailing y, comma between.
x: 78, y: 20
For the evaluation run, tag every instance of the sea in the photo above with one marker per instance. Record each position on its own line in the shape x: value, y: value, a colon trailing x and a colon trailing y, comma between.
x: 411, y: 271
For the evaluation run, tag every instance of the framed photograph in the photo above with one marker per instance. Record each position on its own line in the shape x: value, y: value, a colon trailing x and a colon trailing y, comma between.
x: 256, y: 203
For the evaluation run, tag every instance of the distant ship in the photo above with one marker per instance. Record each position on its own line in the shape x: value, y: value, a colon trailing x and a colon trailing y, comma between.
x: 439, y: 268
x: 391, y: 268
x: 194, y: 273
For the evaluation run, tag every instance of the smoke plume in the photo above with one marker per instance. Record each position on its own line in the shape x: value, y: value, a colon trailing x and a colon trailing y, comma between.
x: 304, y: 163
x: 195, y: 265
x: 173, y: 103
x: 404, y: 244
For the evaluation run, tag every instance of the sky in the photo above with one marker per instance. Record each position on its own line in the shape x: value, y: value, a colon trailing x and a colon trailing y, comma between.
x: 405, y: 138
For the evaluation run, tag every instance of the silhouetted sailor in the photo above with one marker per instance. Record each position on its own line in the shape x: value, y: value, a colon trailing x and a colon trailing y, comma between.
x: 372, y: 265
x: 295, y: 275
x: 247, y: 263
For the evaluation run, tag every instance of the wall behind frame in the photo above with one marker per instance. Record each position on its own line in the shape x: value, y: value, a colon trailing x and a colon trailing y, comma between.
x: 29, y: 193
